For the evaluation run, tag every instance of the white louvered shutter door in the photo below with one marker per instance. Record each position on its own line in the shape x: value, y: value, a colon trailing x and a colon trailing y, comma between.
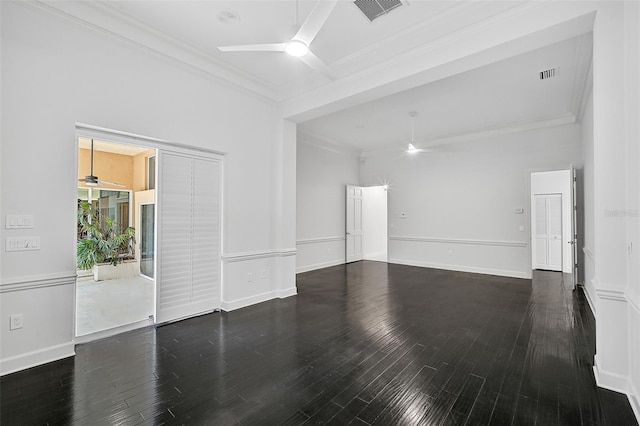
x: 205, y: 271
x: 188, y: 280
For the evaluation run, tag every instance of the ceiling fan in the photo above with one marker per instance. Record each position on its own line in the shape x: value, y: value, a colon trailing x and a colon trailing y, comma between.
x: 411, y: 146
x: 299, y: 44
x: 91, y: 180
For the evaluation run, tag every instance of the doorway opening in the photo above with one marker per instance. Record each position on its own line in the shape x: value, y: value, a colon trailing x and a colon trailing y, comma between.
x: 552, y: 221
x: 116, y: 287
x: 366, y: 223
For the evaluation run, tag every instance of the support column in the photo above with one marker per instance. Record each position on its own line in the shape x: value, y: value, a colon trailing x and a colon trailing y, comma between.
x: 611, y: 360
x: 284, y: 218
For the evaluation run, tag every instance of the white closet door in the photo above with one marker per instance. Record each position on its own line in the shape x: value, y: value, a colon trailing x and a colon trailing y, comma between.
x: 542, y: 232
x: 188, y: 281
x: 548, y: 230
x: 354, y: 223
x: 555, y: 232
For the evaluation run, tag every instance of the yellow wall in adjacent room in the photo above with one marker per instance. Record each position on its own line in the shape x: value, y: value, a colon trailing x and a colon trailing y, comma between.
x: 140, y: 169
x: 107, y: 166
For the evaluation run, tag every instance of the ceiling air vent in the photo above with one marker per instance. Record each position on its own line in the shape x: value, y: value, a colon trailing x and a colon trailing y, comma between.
x: 547, y: 74
x: 373, y: 9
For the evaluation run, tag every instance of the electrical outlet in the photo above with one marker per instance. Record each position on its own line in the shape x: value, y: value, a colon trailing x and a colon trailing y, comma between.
x: 249, y: 276
x: 264, y: 274
x: 15, y: 321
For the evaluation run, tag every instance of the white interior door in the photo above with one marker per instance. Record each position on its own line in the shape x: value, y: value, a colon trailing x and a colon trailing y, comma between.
x: 354, y: 223
x: 548, y: 232
x: 574, y: 226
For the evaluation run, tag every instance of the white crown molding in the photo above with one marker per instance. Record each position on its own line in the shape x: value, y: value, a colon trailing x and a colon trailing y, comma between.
x: 321, y: 142
x: 588, y: 92
x: 105, y: 20
x: 414, y: 32
x: 457, y: 52
x: 583, y: 78
x: 484, y: 133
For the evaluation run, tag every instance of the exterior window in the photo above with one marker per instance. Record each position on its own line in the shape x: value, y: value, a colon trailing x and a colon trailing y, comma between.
x: 151, y: 172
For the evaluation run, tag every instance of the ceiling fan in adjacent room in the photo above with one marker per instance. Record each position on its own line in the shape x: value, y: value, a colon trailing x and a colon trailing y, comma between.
x: 92, y: 180
x: 299, y: 44
x: 411, y: 146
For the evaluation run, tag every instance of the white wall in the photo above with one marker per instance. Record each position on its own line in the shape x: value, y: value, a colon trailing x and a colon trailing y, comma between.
x: 56, y: 73
x: 459, y: 203
x: 558, y: 182
x: 632, y: 110
x: 589, y: 209
x: 322, y: 174
x: 374, y: 223
x: 616, y: 147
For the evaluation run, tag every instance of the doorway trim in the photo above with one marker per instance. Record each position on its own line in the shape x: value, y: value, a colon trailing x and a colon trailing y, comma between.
x: 161, y: 146
x: 554, y: 182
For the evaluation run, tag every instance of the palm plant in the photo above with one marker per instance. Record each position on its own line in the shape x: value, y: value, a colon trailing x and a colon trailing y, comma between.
x: 101, y: 240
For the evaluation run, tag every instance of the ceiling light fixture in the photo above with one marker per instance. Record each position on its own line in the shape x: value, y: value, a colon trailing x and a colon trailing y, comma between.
x: 296, y: 48
x: 298, y: 45
x: 411, y: 148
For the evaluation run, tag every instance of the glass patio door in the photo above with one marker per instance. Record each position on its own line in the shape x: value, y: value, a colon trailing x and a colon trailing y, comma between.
x: 147, y: 239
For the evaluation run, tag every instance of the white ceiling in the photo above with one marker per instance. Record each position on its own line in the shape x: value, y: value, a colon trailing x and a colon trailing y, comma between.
x: 494, y: 98
x: 348, y: 43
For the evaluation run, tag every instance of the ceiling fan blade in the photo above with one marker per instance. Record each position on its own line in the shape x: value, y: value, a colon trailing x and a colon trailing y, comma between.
x: 316, y: 64
x: 110, y: 183
x: 272, y: 47
x: 314, y: 22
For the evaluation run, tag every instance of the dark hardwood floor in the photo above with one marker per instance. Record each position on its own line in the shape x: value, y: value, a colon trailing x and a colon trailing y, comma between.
x: 365, y: 343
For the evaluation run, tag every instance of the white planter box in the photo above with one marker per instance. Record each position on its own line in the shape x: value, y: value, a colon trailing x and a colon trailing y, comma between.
x: 106, y: 271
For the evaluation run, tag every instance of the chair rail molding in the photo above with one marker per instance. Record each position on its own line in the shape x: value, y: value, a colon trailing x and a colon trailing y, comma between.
x: 459, y: 241
x: 37, y: 281
x: 258, y: 254
x: 320, y: 240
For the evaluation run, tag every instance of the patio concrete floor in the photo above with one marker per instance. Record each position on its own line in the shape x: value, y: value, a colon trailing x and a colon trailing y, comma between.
x: 102, y: 305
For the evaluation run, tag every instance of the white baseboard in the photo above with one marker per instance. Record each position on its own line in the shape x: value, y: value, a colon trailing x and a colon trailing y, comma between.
x: 590, y: 300
x: 634, y: 400
x: 608, y: 380
x: 287, y: 292
x: 232, y: 305
x: 102, y: 334
x: 35, y: 358
x: 472, y: 269
x: 380, y: 256
x: 315, y: 266
x: 617, y: 383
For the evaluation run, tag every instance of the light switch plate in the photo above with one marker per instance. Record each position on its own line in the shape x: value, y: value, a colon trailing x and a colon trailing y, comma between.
x: 18, y: 221
x: 22, y: 243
